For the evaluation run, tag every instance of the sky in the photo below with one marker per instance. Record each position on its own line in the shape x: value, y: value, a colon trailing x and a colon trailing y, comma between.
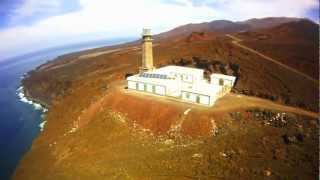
x: 31, y: 25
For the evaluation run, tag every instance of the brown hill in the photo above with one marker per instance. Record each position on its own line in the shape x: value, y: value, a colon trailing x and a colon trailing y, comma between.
x: 268, y: 22
x: 304, y: 30
x: 97, y: 129
x: 200, y: 36
x: 294, y: 43
x: 225, y: 26
x: 203, y: 50
x: 132, y: 136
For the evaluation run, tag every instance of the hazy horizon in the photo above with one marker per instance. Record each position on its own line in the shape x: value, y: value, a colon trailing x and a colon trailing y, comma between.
x: 94, y: 43
x: 31, y: 25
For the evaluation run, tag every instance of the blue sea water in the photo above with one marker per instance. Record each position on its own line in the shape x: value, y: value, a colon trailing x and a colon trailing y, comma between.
x: 19, y: 121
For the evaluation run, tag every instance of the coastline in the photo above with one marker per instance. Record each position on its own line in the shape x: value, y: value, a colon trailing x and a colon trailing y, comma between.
x: 24, y: 97
x: 23, y: 94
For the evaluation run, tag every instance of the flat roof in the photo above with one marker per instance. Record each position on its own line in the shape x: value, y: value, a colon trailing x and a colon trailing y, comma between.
x: 178, y: 69
x: 159, y: 81
x: 222, y: 76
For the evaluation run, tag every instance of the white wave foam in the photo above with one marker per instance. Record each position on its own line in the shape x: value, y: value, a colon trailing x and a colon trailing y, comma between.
x: 41, y: 125
x: 36, y: 106
x: 24, y: 99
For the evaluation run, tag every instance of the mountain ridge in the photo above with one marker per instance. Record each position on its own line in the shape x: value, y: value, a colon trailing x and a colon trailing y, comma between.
x: 226, y: 26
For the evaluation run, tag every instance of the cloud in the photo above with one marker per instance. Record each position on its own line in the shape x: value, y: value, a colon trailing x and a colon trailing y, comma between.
x: 33, y: 9
x: 34, y: 6
x: 175, y: 2
x: 96, y: 19
x: 242, y: 10
x: 99, y: 19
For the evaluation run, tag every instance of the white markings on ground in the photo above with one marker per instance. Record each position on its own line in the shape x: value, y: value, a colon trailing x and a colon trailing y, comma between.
x: 214, y: 128
x: 95, y: 54
x: 187, y: 111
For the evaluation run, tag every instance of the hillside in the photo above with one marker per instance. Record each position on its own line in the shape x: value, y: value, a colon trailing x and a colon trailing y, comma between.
x: 97, y: 129
x: 225, y: 26
x: 269, y: 22
x: 208, y: 49
x: 115, y: 134
x: 294, y: 43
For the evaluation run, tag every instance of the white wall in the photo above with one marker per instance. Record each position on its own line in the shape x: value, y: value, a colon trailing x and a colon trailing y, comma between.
x: 150, y: 88
x: 228, y: 80
x: 141, y: 86
x: 215, y: 81
x: 187, y: 78
x: 160, y: 90
x: 204, y: 100
x: 189, y: 96
x: 132, y: 85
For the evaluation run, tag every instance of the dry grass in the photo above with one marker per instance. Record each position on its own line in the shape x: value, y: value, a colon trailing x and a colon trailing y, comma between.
x: 127, y: 137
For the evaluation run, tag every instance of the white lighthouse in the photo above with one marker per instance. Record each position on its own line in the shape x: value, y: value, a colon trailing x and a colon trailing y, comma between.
x: 184, y: 83
x: 147, y: 56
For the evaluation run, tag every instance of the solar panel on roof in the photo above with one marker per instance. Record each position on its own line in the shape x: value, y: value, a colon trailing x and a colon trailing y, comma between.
x: 149, y: 75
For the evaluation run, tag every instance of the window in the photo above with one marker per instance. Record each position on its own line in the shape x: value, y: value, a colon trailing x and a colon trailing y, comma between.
x: 221, y: 83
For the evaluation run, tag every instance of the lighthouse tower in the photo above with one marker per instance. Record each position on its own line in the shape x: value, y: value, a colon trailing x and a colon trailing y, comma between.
x: 147, y: 56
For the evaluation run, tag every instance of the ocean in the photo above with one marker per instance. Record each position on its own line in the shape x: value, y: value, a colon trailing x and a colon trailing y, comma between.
x: 21, y: 120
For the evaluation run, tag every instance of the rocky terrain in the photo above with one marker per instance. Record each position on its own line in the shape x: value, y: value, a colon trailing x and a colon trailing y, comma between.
x: 267, y: 128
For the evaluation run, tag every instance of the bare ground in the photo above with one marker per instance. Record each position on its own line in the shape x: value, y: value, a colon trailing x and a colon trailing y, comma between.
x: 168, y: 139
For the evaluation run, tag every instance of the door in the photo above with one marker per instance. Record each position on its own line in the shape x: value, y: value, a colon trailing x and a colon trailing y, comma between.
x: 149, y: 88
x: 198, y: 99
x: 141, y: 86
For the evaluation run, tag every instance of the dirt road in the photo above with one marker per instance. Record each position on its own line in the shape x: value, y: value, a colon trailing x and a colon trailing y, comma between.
x: 233, y: 101
x: 236, y: 41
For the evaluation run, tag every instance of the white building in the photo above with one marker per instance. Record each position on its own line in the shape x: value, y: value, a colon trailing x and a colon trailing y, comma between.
x: 184, y: 83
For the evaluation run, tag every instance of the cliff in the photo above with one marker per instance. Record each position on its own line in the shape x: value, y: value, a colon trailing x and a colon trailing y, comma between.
x: 98, y: 129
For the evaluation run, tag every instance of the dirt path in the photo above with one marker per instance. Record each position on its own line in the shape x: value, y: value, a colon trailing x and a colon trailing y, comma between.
x: 236, y: 41
x: 75, y: 60
x: 95, y: 54
x: 234, y: 101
